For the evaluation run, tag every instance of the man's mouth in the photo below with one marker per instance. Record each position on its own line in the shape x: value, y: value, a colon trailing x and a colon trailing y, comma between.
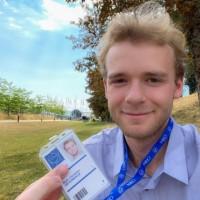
x: 136, y: 113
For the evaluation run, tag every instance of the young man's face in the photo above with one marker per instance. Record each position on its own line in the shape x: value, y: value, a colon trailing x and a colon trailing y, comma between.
x: 71, y: 148
x: 140, y: 87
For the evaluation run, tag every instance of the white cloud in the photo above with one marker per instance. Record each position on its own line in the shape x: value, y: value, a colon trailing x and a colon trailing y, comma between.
x: 57, y: 15
x: 13, y: 24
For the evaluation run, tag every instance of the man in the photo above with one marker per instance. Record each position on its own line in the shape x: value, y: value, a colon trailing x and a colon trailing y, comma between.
x: 71, y: 148
x: 148, y: 156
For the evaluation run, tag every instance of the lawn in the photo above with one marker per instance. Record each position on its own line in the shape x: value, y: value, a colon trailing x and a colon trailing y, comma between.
x: 19, y: 147
x: 20, y: 144
x: 187, y: 110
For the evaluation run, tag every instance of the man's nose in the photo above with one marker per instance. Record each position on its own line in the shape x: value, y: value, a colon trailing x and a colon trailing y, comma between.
x: 135, y: 93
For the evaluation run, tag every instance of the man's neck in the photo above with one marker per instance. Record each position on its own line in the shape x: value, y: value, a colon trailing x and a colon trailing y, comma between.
x: 138, y: 149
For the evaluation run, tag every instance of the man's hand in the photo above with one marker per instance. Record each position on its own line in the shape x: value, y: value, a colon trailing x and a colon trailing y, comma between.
x: 46, y: 188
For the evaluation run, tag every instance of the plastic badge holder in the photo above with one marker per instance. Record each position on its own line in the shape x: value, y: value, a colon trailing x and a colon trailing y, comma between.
x: 84, y: 180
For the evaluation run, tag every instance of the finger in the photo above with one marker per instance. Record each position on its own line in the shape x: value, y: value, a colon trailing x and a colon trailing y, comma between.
x: 59, y: 171
x: 43, y: 187
x: 54, y: 195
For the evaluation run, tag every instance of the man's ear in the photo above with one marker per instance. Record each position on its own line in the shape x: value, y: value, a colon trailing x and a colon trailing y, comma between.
x: 105, y: 86
x: 179, y: 88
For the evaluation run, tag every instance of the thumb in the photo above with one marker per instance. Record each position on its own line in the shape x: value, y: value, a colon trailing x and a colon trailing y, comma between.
x: 60, y: 171
x: 43, y: 187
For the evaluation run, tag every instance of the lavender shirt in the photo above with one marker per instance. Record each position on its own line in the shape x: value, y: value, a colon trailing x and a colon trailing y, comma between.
x: 177, y: 178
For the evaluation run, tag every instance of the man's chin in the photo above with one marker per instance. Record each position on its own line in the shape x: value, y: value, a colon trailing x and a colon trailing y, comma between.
x: 134, y: 130
x: 135, y: 135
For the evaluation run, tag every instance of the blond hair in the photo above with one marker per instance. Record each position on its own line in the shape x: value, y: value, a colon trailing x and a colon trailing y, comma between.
x: 148, y: 22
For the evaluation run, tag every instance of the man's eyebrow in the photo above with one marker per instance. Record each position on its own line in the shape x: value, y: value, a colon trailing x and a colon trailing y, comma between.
x: 160, y: 74
x: 115, y: 75
x: 156, y: 74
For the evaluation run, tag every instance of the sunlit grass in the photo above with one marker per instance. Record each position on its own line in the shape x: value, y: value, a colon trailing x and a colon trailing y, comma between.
x: 29, y: 116
x: 187, y: 110
x: 20, y: 144
x: 19, y: 147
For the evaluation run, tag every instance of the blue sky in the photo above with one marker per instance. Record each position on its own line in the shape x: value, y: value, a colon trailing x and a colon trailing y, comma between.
x: 34, y: 52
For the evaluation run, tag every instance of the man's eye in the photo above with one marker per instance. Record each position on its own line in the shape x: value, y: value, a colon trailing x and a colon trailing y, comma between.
x: 153, y: 80
x: 118, y: 81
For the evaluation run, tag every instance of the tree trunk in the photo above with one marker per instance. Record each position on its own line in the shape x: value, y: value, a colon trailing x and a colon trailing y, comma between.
x: 18, y: 118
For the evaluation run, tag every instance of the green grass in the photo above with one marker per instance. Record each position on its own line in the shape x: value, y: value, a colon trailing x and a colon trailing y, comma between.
x: 19, y: 147
x: 20, y: 144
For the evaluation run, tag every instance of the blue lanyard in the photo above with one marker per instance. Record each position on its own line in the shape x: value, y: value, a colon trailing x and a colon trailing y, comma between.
x: 121, y: 187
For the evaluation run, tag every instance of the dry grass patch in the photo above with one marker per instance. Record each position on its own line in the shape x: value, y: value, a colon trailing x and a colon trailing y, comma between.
x: 187, y: 110
x: 27, y: 116
x: 4, y: 116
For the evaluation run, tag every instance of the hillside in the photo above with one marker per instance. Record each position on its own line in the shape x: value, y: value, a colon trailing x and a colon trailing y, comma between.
x: 186, y: 110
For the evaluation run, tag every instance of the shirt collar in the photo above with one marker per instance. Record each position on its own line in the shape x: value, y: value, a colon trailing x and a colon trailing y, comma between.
x: 119, y: 152
x: 174, y: 165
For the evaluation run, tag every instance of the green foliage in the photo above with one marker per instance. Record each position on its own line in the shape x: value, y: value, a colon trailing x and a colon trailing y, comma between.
x: 37, y: 104
x: 5, y: 93
x: 97, y: 101
x: 18, y: 101
x: 52, y: 106
x: 75, y: 114
x: 92, y: 28
x: 13, y: 99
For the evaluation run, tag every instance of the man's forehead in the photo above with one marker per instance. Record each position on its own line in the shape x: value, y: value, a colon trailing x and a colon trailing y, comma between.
x: 151, y: 58
x: 138, y: 45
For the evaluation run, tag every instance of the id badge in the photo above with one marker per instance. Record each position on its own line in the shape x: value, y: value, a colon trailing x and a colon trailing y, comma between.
x: 84, y: 180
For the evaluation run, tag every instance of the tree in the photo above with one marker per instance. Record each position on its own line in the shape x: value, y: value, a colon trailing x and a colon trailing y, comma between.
x: 20, y: 100
x: 52, y: 106
x: 190, y: 14
x: 17, y: 101
x: 6, y: 92
x: 93, y: 26
x: 190, y: 75
x: 91, y: 30
x: 97, y: 101
x: 12, y: 99
x: 76, y: 114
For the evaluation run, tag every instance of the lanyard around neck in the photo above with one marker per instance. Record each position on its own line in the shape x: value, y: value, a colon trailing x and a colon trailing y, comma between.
x: 121, y: 187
